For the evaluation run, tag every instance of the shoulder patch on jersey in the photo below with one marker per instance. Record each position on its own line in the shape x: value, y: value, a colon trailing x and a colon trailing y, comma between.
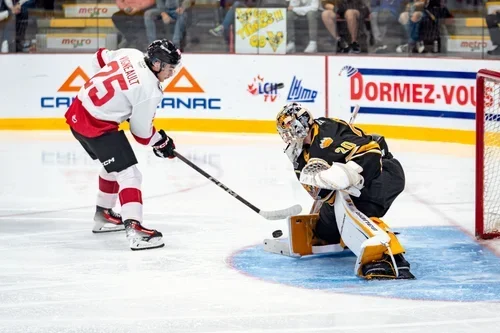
x: 325, y: 142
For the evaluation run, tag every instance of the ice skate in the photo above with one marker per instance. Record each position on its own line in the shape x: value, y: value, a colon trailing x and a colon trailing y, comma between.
x: 141, y: 238
x: 106, y: 220
x: 383, y: 269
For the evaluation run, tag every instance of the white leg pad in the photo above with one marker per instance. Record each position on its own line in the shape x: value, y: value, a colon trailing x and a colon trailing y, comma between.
x: 360, y: 234
x: 300, y: 242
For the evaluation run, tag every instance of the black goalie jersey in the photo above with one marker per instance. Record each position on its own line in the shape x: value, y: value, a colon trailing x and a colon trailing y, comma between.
x: 334, y: 140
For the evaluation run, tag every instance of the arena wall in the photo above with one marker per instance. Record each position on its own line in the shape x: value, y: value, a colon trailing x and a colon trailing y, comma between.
x: 407, y: 98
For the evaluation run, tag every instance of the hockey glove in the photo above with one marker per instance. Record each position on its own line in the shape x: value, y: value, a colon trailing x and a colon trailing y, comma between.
x: 339, y: 176
x: 165, y: 147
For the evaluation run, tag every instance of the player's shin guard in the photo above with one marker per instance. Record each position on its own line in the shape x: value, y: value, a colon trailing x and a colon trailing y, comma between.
x: 108, y: 189
x: 105, y: 219
x: 141, y: 238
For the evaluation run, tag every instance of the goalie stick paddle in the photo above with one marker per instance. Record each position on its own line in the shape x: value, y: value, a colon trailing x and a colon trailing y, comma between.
x: 270, y: 215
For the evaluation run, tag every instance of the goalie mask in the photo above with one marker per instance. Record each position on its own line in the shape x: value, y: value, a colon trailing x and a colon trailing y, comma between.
x: 293, y: 123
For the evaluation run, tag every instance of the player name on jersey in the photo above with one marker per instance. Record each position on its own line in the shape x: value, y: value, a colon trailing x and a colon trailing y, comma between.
x: 129, y: 71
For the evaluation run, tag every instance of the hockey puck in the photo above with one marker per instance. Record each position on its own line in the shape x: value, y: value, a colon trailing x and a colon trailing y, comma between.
x: 280, y: 85
x: 277, y: 233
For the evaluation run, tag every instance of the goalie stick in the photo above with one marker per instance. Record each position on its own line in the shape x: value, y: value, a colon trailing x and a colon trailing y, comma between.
x: 270, y: 215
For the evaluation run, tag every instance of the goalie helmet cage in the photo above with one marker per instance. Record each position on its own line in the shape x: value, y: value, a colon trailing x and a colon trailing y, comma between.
x: 487, y: 154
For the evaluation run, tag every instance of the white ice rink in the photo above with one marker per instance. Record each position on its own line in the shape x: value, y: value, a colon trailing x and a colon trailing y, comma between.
x: 56, y: 276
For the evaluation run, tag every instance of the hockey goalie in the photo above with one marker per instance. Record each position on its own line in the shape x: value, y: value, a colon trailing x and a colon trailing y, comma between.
x: 354, y: 179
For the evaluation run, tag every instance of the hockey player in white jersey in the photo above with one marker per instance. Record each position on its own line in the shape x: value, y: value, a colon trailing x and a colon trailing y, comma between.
x: 126, y: 86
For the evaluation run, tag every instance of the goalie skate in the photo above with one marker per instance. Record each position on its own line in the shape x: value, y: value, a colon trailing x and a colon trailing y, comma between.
x: 141, y: 238
x: 106, y: 220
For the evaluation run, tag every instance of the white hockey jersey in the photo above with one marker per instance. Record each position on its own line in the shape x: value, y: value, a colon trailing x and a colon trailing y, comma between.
x: 124, y: 88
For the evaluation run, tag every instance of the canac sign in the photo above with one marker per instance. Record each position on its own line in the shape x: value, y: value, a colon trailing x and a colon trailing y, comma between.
x: 90, y: 10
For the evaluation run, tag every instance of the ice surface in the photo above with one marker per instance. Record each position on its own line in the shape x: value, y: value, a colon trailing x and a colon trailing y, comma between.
x: 56, y: 276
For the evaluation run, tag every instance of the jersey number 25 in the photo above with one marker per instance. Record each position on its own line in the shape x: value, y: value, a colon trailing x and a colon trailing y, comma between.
x: 110, y: 77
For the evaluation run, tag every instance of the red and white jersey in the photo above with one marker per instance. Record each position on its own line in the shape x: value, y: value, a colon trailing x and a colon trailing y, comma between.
x: 124, y: 88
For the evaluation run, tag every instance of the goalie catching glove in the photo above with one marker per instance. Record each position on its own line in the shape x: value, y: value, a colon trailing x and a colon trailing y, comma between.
x: 164, y: 148
x: 339, y: 176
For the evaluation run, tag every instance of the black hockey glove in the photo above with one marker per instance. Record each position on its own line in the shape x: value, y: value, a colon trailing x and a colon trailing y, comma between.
x: 165, y: 147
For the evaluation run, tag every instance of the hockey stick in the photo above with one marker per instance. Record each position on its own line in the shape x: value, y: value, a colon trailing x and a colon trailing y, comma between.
x: 354, y: 115
x: 270, y: 215
x: 277, y: 86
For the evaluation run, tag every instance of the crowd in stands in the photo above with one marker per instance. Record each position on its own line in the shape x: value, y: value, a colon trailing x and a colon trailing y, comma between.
x: 330, y: 26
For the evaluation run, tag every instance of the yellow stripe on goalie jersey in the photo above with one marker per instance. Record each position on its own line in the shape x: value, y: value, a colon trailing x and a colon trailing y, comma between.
x: 374, y: 151
x: 355, y: 130
x: 315, y: 128
x: 369, y: 146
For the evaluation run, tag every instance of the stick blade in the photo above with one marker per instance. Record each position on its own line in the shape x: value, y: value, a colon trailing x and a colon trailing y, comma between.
x: 281, y: 214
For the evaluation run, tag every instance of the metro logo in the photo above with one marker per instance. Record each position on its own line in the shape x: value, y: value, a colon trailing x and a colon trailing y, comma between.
x: 474, y: 44
x: 92, y: 11
x: 413, y: 92
x: 76, y: 42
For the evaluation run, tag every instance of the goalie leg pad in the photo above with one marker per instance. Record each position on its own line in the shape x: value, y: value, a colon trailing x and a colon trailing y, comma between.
x: 376, y: 247
x: 303, y: 239
x: 395, y: 245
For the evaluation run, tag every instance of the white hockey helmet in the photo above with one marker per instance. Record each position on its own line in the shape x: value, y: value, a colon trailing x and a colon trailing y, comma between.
x: 293, y: 124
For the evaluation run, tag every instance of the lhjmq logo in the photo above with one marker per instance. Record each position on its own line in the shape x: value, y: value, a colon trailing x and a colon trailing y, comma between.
x: 298, y: 93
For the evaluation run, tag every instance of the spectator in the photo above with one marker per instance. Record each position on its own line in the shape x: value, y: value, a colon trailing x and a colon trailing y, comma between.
x: 6, y: 8
x: 430, y: 28
x: 384, y: 19
x: 223, y: 29
x: 411, y: 19
x: 308, y: 8
x: 21, y: 10
x: 354, y: 12
x: 492, y: 21
x: 48, y: 7
x: 129, y: 20
x: 329, y: 18
x: 170, y: 12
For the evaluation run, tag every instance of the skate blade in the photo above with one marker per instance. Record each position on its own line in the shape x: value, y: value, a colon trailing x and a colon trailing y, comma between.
x: 100, y: 227
x: 153, y: 243
x: 405, y: 275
